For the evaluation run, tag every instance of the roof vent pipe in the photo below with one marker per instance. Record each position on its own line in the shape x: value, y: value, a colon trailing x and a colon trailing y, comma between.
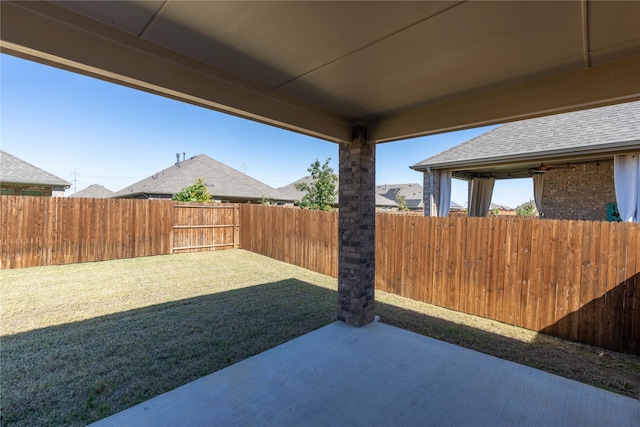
x: 177, y: 158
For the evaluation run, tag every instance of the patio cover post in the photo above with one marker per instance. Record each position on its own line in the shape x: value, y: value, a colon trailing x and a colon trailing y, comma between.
x: 356, y: 229
x: 428, y: 196
x: 431, y: 192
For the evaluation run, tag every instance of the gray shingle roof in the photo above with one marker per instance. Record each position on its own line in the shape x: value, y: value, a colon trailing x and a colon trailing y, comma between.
x: 289, y: 192
x: 596, y: 130
x: 221, y: 181
x: 16, y: 171
x: 94, y: 191
x: 386, y: 195
x: 453, y: 206
x: 503, y: 207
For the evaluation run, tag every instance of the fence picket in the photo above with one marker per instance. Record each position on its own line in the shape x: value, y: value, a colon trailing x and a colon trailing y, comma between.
x: 557, y: 326
x: 587, y: 294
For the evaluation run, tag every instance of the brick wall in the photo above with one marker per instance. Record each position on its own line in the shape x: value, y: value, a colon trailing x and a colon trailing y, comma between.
x: 579, y: 193
x: 431, y: 206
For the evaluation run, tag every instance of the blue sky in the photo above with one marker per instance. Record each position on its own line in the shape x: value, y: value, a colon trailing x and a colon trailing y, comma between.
x: 87, y: 131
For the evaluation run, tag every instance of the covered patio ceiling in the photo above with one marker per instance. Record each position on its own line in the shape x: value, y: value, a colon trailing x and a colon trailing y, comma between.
x: 402, y: 69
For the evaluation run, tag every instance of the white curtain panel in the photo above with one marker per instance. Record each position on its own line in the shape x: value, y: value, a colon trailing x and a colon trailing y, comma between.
x: 481, y: 192
x: 626, y: 173
x: 538, y: 184
x: 444, y: 201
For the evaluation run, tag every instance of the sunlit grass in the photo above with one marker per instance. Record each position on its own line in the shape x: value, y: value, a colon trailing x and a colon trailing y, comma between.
x: 83, y: 341
x: 39, y: 297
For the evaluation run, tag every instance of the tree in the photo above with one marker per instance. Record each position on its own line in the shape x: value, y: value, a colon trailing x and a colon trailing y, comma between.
x: 321, y: 192
x: 527, y: 209
x: 401, y: 201
x: 194, y: 193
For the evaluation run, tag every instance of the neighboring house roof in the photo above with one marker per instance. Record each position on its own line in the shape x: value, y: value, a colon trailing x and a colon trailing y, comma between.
x: 289, y: 192
x: 453, y: 206
x: 594, y: 134
x: 221, y: 181
x: 386, y: 195
x: 94, y: 191
x: 493, y: 206
x: 16, y: 171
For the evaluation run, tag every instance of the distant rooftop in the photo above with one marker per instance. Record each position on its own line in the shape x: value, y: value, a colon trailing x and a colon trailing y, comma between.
x: 289, y: 192
x: 386, y: 195
x: 94, y: 191
x: 16, y: 171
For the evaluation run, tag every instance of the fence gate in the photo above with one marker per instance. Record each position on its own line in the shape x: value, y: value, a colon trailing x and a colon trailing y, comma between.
x: 204, y: 227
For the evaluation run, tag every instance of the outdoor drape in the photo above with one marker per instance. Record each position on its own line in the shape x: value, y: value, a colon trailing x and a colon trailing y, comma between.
x: 626, y: 173
x: 444, y: 201
x: 481, y: 191
x: 538, y: 183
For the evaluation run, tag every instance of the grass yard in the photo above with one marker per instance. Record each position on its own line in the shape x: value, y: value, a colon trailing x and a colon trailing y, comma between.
x: 83, y: 341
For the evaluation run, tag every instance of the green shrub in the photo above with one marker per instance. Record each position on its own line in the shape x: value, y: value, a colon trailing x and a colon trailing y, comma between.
x: 194, y: 193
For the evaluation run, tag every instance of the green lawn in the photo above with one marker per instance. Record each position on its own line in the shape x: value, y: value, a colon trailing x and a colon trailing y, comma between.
x: 83, y: 341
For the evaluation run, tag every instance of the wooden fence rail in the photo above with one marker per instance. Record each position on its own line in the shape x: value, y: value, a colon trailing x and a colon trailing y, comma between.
x: 574, y: 279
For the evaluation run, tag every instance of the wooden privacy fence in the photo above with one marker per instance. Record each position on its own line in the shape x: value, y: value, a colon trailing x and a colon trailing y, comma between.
x: 302, y: 237
x: 574, y: 279
x: 39, y: 231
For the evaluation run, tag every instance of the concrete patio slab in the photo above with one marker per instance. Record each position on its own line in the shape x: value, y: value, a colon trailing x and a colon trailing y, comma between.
x: 379, y: 375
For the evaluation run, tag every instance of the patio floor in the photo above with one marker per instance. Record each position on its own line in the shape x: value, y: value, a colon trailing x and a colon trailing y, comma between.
x: 379, y: 375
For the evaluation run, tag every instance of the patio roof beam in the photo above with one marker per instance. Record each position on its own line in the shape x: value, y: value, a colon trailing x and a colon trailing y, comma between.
x: 593, y: 87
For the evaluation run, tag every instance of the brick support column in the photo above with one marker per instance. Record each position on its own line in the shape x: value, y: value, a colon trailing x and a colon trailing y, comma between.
x: 431, y: 192
x: 356, y: 230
